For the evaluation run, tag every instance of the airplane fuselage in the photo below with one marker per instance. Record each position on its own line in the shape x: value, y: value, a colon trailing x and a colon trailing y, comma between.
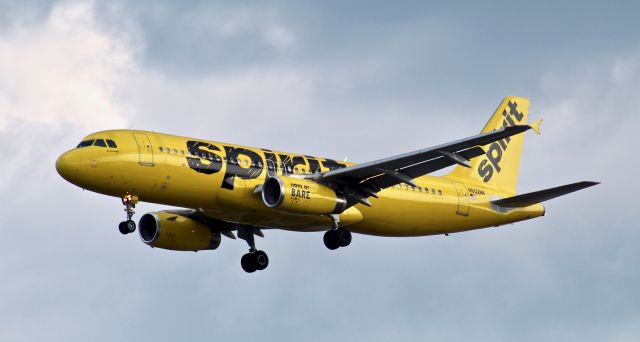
x: 223, y: 180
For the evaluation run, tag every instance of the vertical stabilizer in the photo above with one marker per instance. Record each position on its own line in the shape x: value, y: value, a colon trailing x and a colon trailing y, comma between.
x: 500, y: 165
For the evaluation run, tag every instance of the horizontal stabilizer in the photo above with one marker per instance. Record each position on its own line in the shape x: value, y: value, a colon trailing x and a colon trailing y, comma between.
x: 532, y: 198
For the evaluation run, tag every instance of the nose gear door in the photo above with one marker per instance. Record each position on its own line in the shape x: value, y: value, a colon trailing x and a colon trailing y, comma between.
x: 144, y: 148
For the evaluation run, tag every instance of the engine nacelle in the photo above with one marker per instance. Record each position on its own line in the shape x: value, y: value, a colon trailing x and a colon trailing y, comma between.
x: 301, y: 196
x: 176, y: 232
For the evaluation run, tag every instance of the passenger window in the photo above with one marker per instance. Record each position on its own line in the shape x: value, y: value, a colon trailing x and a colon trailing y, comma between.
x: 433, y: 191
x: 85, y: 143
x: 419, y: 189
x: 175, y: 151
x: 182, y: 152
x: 160, y: 148
x: 100, y: 143
x: 168, y: 150
x: 111, y: 143
x: 440, y: 192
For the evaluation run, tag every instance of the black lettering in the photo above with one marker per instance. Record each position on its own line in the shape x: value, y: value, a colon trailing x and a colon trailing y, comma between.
x: 508, y: 118
x: 290, y: 162
x: 314, y: 165
x: 505, y: 123
x: 253, y: 170
x: 332, y: 164
x: 485, y: 170
x: 495, y: 155
x: 513, y: 110
x: 503, y: 144
x: 199, y: 163
x: 271, y: 162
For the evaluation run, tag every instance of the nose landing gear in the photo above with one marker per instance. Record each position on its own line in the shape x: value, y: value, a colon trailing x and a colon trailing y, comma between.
x: 128, y: 226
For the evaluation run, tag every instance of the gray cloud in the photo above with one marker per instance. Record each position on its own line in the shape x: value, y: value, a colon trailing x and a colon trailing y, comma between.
x: 371, y: 80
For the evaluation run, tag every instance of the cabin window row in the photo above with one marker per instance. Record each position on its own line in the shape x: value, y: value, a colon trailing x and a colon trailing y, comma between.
x: 425, y: 190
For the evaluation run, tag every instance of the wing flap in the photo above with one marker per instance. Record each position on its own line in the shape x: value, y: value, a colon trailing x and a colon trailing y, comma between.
x: 531, y: 198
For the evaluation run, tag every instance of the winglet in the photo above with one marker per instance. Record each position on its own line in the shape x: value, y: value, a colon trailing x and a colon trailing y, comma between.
x: 536, y: 126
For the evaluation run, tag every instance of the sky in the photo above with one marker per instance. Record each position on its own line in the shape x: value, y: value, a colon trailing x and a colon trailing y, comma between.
x: 358, y: 79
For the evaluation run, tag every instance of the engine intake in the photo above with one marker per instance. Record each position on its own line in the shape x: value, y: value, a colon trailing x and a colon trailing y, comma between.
x: 176, y: 232
x: 301, y: 196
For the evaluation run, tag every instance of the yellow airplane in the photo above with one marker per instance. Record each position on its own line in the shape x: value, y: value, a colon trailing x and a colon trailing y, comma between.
x: 230, y: 188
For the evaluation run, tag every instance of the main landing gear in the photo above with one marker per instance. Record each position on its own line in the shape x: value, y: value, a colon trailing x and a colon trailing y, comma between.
x: 336, y: 237
x: 255, y: 260
x: 129, y: 202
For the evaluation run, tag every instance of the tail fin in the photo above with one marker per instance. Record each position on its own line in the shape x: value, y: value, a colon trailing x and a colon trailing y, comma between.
x: 500, y: 165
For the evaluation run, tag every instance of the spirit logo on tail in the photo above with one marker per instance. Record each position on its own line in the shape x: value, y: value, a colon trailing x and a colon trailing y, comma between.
x: 495, y: 152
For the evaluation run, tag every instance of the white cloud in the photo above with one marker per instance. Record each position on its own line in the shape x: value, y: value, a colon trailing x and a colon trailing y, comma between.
x: 64, y: 70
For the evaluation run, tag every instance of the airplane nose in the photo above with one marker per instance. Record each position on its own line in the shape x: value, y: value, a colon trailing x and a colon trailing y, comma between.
x: 64, y: 165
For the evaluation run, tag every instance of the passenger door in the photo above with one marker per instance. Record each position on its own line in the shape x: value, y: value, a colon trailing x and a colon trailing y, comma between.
x: 144, y: 148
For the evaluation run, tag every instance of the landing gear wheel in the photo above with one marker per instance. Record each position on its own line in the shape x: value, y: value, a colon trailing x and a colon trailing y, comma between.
x: 248, y: 263
x: 335, y: 238
x: 343, y: 236
x: 261, y: 260
x: 331, y: 239
x: 130, y: 226
x: 122, y: 227
x: 255, y: 260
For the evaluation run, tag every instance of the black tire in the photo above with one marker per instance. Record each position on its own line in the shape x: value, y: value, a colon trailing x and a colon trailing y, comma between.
x: 331, y: 240
x: 261, y: 260
x: 131, y: 226
x: 248, y: 264
x: 122, y: 227
x: 343, y: 237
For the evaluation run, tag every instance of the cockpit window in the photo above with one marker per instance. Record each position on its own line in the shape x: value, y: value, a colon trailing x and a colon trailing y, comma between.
x: 100, y: 143
x: 85, y: 143
x: 111, y: 143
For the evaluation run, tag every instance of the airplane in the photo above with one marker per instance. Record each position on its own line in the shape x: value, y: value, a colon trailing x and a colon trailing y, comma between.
x: 238, y: 191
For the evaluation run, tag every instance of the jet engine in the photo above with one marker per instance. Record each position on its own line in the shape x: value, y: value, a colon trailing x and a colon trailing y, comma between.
x: 180, y: 233
x: 301, y: 196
